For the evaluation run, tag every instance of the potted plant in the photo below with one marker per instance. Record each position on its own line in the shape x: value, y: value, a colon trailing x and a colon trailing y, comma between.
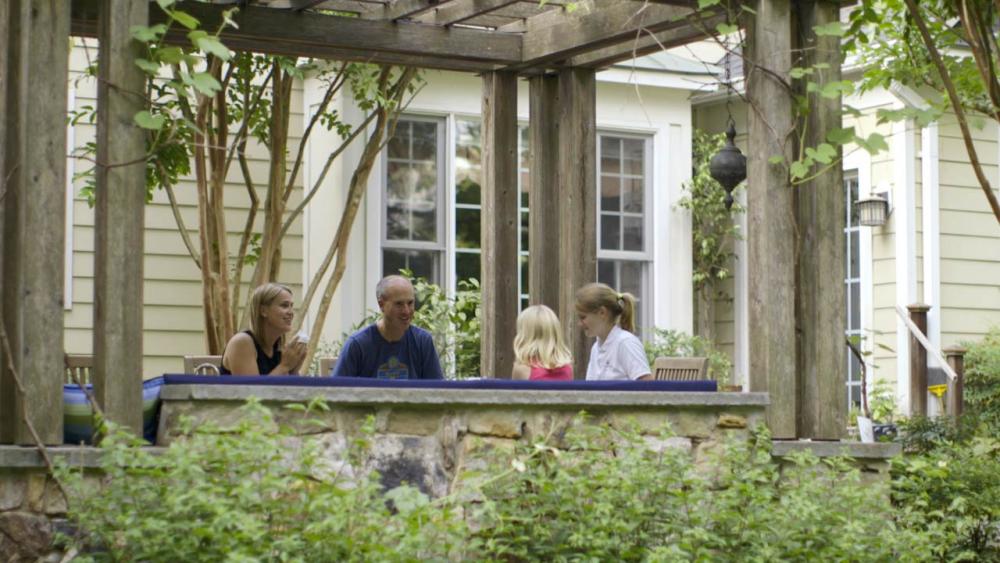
x: 875, y: 421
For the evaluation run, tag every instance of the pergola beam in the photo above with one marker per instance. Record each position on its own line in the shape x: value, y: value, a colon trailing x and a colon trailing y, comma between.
x: 462, y: 10
x: 645, y: 42
x: 402, y: 9
x: 333, y: 37
x: 600, y: 28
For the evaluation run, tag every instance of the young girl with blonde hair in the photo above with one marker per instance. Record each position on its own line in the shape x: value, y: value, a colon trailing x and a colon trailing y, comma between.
x: 610, y: 317
x: 540, y: 352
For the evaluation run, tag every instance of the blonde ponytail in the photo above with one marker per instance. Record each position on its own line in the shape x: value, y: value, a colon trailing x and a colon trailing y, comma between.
x: 591, y: 297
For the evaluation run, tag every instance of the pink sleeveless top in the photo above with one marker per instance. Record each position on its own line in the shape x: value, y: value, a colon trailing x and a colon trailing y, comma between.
x: 561, y: 373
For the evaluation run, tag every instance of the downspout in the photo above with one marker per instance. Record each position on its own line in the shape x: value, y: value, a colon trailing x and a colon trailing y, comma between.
x: 930, y: 188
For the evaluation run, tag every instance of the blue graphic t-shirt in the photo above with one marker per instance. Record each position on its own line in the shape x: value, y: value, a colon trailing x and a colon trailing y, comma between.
x: 367, y: 354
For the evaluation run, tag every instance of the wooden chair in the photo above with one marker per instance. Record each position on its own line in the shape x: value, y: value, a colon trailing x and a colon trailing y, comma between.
x: 202, y: 365
x: 326, y: 366
x: 680, y: 369
x: 80, y: 366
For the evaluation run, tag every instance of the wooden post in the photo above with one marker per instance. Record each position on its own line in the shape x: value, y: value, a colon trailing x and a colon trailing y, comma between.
x: 820, y: 207
x: 918, y: 362
x: 34, y: 221
x: 576, y: 176
x: 6, y: 390
x: 771, y: 216
x: 121, y: 200
x: 956, y: 388
x: 543, y: 197
x: 500, y: 223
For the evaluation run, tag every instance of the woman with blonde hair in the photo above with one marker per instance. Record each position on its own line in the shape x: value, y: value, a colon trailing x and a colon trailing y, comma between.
x: 609, y: 316
x: 263, y: 350
x: 540, y: 352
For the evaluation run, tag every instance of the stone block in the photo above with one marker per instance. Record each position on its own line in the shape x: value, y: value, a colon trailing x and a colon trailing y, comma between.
x: 350, y: 420
x: 692, y: 423
x: 416, y: 422
x: 28, y: 535
x: 496, y: 422
x: 53, y: 499
x: 731, y: 421
x: 301, y: 422
x: 12, y: 490
x: 35, y: 491
x: 660, y: 445
x: 415, y: 460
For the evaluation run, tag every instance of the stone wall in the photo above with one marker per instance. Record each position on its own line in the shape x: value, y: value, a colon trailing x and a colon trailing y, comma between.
x: 426, y: 437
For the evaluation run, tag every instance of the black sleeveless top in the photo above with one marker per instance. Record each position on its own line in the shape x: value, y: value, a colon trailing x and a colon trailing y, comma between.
x: 264, y: 364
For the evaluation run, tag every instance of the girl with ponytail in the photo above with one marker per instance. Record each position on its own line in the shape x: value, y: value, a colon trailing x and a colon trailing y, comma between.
x: 609, y: 316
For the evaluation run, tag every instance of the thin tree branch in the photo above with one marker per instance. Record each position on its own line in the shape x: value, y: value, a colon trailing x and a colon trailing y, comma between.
x: 175, y: 209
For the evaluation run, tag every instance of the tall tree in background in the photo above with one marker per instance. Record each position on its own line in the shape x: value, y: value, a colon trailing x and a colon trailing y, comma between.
x: 950, y: 46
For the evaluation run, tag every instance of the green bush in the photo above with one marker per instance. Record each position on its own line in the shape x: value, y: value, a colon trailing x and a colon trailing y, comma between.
x: 257, y: 491
x: 669, y: 343
x: 982, y: 377
x: 253, y: 492
x: 957, y: 486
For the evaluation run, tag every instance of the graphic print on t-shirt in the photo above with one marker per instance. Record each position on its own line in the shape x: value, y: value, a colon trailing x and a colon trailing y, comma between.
x: 393, y: 369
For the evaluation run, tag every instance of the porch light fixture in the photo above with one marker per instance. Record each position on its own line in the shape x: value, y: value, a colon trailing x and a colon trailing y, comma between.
x: 873, y: 210
x: 728, y: 166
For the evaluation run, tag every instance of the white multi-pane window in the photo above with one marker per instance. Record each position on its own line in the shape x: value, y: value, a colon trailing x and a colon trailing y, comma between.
x: 413, y: 235
x: 623, y: 246
x: 852, y: 284
x: 412, y: 226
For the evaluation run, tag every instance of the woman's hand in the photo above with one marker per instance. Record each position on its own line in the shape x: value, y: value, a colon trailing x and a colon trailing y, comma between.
x: 292, y: 356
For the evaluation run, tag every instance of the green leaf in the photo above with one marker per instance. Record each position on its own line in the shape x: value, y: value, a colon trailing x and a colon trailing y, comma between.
x: 824, y: 153
x: 776, y: 160
x: 875, y: 143
x: 148, y: 66
x: 799, y: 72
x: 215, y: 47
x: 840, y: 135
x: 147, y: 120
x: 164, y: 4
x: 836, y: 89
x: 183, y: 18
x: 147, y: 34
x: 726, y: 28
x: 707, y: 3
x: 799, y: 169
x: 205, y: 83
x: 171, y: 55
x: 830, y: 29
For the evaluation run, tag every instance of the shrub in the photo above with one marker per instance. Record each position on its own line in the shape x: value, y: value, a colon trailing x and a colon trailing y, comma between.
x: 957, y: 485
x: 982, y: 377
x: 669, y: 343
x: 253, y: 492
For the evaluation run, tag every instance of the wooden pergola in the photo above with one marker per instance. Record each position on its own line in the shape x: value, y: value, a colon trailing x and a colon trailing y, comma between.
x: 796, y: 336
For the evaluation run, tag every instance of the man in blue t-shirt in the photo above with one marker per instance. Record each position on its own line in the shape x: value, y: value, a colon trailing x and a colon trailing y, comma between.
x: 391, y: 348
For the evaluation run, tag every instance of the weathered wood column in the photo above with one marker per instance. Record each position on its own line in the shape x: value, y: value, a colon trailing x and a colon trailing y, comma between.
x: 918, y: 361
x: 119, y: 217
x: 500, y: 223
x: 770, y: 215
x: 543, y: 198
x: 820, y: 303
x: 34, y: 208
x: 576, y: 175
x: 956, y: 387
x: 6, y: 392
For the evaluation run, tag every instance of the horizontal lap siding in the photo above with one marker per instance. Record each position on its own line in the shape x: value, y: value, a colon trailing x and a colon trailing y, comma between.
x: 970, y: 237
x: 173, y: 320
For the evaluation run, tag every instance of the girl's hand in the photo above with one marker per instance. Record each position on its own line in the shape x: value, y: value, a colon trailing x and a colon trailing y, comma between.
x: 293, y: 354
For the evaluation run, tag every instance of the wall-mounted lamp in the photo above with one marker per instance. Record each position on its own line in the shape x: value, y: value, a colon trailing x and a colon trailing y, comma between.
x: 874, y: 210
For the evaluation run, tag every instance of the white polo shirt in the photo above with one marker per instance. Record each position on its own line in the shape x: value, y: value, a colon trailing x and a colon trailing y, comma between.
x: 619, y: 356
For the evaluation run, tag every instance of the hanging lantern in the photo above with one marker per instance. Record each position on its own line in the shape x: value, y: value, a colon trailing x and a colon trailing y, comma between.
x: 873, y: 210
x: 729, y: 167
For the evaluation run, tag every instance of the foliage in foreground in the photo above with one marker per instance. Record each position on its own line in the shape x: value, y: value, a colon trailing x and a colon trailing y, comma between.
x: 258, y: 491
x: 982, y: 378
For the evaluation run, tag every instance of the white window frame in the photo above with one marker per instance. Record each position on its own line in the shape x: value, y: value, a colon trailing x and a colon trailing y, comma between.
x: 646, y: 305
x: 860, y: 161
x: 443, y: 216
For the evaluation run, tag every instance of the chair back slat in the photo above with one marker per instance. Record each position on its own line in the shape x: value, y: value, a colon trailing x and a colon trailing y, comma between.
x: 202, y: 365
x: 680, y: 369
x: 78, y: 367
x: 326, y: 366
